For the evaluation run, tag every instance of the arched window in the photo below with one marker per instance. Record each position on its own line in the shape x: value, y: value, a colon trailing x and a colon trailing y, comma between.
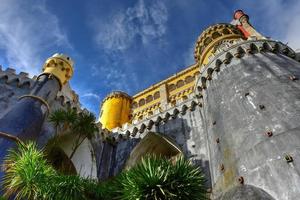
x: 216, y: 35
x: 134, y: 105
x: 142, y: 102
x: 179, y: 83
x: 207, y: 41
x: 156, y: 95
x: 226, y: 31
x: 189, y: 79
x: 171, y: 87
x: 149, y: 98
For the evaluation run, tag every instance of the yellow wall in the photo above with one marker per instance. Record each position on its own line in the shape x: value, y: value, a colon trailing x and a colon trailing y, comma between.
x: 187, y: 77
x: 211, y: 38
x: 115, y: 111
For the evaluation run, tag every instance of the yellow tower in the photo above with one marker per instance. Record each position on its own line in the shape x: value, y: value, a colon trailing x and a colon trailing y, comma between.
x: 115, y: 110
x: 212, y: 38
x: 60, y: 66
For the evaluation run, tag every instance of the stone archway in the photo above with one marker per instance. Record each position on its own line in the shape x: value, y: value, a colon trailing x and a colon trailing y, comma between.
x: 82, y: 163
x: 246, y: 192
x: 60, y: 161
x: 155, y: 144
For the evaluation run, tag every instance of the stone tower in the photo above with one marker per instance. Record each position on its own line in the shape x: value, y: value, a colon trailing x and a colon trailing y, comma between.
x: 25, y: 118
x: 250, y: 98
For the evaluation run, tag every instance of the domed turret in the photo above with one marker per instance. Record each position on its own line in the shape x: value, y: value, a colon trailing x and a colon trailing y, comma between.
x: 115, y: 110
x: 60, y: 66
x: 212, y: 38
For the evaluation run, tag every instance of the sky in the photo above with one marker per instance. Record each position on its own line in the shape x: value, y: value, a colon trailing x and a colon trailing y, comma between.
x: 126, y: 45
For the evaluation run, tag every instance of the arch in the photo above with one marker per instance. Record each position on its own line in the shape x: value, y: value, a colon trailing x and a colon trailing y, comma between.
x: 156, y: 95
x: 207, y: 41
x: 142, y: 102
x: 134, y: 105
x: 3, y: 79
x: 60, y: 161
x: 215, y: 35
x: 171, y: 87
x: 26, y: 84
x: 82, y: 163
x: 155, y: 144
x: 246, y: 192
x: 189, y: 79
x: 149, y: 98
x: 180, y: 83
x: 225, y: 31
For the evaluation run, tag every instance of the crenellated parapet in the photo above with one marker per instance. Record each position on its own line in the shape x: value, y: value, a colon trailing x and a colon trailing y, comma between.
x: 115, y: 110
x: 21, y: 83
x: 137, y: 130
x: 20, y: 80
x: 237, y: 51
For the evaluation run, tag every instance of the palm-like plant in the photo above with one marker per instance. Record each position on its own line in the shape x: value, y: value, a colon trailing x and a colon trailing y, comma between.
x: 63, y: 119
x: 157, y: 178
x: 82, y: 125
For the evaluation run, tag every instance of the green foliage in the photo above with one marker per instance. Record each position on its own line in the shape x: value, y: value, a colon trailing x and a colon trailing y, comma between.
x: 85, y: 124
x: 27, y: 173
x: 29, y: 176
x: 157, y: 178
x: 82, y: 125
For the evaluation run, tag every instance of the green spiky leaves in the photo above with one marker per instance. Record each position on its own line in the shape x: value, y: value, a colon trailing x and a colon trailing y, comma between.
x: 156, y: 178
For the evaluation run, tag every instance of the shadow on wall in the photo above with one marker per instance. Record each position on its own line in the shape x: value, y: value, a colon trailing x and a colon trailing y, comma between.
x: 154, y: 144
x: 246, y: 192
x: 187, y: 133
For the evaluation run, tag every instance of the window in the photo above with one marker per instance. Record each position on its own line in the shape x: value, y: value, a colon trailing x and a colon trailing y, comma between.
x: 142, y: 102
x: 171, y: 87
x: 149, y: 98
x: 179, y: 84
x: 156, y: 95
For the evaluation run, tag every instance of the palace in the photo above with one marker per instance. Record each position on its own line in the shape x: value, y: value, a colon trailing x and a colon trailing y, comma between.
x: 234, y: 113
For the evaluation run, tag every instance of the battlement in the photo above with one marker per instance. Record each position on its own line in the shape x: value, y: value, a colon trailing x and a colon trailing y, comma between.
x: 66, y: 97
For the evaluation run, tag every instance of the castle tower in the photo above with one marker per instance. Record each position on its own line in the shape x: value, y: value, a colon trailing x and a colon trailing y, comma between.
x: 115, y: 110
x: 24, y: 120
x: 250, y: 105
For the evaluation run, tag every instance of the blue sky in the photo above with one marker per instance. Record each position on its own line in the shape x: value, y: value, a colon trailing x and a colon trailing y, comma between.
x: 125, y: 44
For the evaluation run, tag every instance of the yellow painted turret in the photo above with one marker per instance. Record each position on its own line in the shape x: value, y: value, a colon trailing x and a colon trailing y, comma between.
x: 212, y: 38
x: 115, y: 110
x: 60, y: 66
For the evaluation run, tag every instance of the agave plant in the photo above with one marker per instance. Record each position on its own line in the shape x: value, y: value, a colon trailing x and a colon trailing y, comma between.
x: 29, y: 176
x: 27, y: 173
x: 156, y: 178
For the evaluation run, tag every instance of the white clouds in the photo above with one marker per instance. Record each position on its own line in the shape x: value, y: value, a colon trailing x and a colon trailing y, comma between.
x: 142, y: 21
x: 26, y: 29
x: 280, y: 19
x: 91, y: 95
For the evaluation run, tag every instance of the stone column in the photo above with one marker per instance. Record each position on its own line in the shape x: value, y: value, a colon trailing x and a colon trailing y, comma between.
x: 164, y: 96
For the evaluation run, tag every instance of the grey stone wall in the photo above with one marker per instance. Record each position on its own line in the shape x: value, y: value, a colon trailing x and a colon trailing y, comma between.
x: 251, y: 92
